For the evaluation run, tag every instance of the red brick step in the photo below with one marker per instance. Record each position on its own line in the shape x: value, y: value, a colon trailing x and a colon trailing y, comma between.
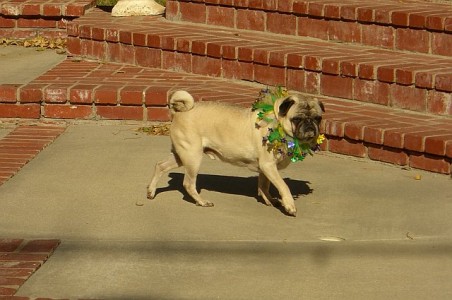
x: 93, y: 90
x: 410, y: 25
x: 417, y: 82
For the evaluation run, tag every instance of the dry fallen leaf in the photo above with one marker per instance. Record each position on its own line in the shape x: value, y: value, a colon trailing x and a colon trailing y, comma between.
x: 39, y: 41
x: 159, y: 129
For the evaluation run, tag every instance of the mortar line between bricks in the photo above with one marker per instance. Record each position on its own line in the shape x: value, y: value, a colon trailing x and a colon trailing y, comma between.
x: 22, y: 134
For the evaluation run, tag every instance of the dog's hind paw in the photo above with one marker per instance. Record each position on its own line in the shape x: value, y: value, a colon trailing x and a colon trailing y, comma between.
x: 266, y: 197
x: 205, y: 204
x: 151, y: 195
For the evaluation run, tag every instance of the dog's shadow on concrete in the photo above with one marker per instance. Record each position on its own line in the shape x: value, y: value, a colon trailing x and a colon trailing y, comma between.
x: 245, y: 186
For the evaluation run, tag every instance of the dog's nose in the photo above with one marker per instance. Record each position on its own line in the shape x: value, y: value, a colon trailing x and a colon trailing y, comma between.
x: 309, y: 134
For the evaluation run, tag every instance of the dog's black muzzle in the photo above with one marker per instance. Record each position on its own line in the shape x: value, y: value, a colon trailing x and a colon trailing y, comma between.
x: 307, y: 131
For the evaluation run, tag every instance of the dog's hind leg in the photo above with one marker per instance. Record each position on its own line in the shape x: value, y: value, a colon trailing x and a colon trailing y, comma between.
x: 263, y: 189
x: 171, y: 162
x: 192, y: 165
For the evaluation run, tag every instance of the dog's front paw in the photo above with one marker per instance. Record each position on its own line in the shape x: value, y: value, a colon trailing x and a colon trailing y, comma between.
x: 290, y: 209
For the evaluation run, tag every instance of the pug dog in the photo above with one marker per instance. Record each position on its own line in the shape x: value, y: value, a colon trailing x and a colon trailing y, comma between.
x: 230, y: 133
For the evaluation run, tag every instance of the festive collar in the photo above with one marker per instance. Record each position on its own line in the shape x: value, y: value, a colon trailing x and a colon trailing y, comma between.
x: 277, y: 140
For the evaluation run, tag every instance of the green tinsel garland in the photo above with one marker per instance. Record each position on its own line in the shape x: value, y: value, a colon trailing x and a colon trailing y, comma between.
x: 277, y: 140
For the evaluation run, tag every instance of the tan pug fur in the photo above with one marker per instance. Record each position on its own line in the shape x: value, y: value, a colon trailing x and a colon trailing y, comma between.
x: 229, y: 133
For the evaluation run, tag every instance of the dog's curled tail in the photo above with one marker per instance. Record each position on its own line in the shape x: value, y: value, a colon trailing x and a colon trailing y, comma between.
x: 181, y: 101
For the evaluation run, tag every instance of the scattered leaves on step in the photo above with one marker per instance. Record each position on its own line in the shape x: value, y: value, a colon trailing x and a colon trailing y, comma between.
x: 158, y: 129
x: 39, y: 42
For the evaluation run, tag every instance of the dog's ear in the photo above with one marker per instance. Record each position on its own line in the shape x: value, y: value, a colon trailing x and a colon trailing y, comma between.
x: 322, y: 106
x: 285, y: 106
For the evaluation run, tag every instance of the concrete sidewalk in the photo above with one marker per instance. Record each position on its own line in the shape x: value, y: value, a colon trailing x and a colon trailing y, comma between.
x: 363, y: 230
x: 22, y: 65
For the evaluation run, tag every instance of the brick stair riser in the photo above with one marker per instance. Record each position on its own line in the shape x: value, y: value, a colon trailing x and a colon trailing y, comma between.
x: 28, y: 18
x: 411, y: 26
x: 69, y: 108
x: 427, y: 145
x: 69, y: 8
x: 23, y: 28
x: 389, y: 155
x: 370, y: 83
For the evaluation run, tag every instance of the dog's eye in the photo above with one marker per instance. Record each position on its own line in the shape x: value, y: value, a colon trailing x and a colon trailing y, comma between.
x: 296, y: 120
x: 316, y: 119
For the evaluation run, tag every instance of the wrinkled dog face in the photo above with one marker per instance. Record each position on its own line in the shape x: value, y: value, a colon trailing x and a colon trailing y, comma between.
x: 300, y: 117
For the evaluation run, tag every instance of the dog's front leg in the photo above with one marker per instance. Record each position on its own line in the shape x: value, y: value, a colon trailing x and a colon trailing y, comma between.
x: 271, y: 172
